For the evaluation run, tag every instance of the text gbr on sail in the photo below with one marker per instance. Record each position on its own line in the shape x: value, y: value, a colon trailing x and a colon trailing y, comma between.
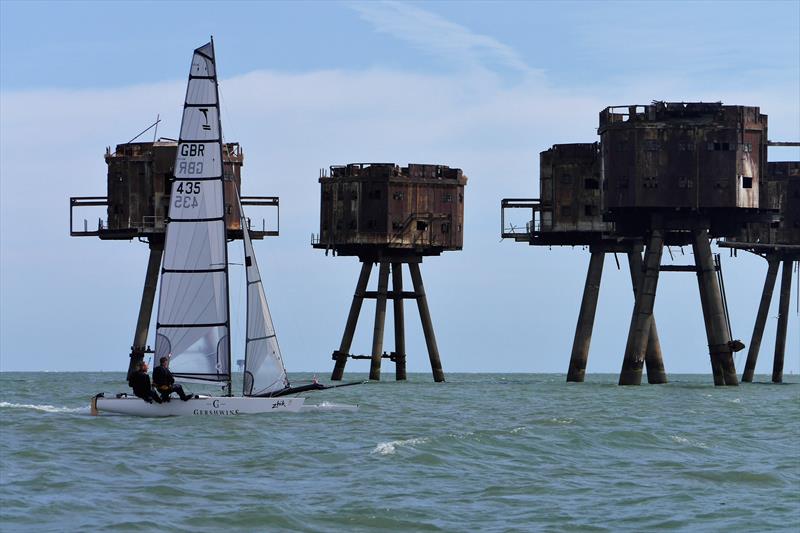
x: 192, y: 149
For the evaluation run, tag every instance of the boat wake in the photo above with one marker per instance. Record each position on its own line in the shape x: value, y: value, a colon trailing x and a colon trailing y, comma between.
x: 44, y: 408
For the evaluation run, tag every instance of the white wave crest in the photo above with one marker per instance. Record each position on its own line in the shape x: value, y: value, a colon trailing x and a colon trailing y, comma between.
x: 330, y: 406
x: 45, y: 408
x: 688, y: 442
x: 389, y: 448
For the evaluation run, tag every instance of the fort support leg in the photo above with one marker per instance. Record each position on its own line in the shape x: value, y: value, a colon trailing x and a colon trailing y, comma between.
x: 146, y: 307
x: 716, y: 366
x: 399, y: 323
x: 639, y: 331
x: 653, y: 360
x: 713, y: 311
x: 380, y: 320
x: 427, y: 325
x: 583, y: 330
x: 761, y: 319
x: 340, y: 356
x: 783, y: 319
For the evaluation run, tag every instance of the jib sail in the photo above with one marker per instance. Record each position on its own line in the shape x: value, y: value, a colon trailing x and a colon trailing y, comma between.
x: 264, y: 372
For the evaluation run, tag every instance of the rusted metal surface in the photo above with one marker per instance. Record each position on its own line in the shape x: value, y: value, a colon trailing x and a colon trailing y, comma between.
x: 583, y: 330
x: 385, y: 208
x: 782, y: 143
x: 783, y: 321
x: 390, y: 215
x: 139, y: 184
x: 779, y: 191
x: 669, y: 173
x: 712, y: 303
x: 683, y: 155
x: 761, y: 320
x: 653, y: 359
x: 569, y: 209
x: 693, y: 164
x: 397, y: 295
x: 139, y: 187
x: 777, y: 242
x: 570, y: 184
x: 639, y: 330
x: 139, y: 348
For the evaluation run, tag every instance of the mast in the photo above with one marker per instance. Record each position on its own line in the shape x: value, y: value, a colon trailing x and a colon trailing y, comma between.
x: 227, y: 276
x: 247, y: 282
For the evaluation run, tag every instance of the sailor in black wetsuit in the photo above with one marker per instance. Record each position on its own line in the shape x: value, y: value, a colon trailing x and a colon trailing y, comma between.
x: 140, y: 382
x: 165, y: 383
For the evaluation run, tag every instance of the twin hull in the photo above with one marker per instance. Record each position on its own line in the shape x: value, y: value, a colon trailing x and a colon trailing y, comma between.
x: 202, y: 406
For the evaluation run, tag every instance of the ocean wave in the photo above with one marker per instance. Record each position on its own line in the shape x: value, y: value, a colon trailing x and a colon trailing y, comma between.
x: 689, y: 442
x: 330, y: 406
x: 389, y: 448
x: 45, y: 408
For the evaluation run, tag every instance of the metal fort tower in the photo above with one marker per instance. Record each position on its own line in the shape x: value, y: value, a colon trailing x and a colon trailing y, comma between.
x: 390, y: 216
x: 663, y: 174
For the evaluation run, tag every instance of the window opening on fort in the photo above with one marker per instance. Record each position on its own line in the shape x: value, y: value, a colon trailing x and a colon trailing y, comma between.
x: 591, y: 184
x: 721, y: 146
x: 651, y: 182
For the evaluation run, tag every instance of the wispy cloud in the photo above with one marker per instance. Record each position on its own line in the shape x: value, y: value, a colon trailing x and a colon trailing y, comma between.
x: 440, y: 37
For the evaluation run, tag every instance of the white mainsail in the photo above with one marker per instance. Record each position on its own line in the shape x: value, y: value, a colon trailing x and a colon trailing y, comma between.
x: 193, y: 315
x: 264, y: 372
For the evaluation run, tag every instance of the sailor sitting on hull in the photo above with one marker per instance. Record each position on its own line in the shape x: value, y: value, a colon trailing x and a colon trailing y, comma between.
x: 165, y: 383
x: 140, y: 382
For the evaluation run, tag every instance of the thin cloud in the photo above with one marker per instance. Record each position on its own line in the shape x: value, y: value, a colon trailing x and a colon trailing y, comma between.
x: 440, y: 37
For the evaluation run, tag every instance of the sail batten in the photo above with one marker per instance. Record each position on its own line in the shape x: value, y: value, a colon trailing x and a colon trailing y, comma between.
x: 193, y: 326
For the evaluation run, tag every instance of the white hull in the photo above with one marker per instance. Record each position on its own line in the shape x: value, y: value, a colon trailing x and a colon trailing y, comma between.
x: 202, y: 406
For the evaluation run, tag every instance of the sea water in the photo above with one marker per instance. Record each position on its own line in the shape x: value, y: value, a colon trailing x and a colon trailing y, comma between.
x: 482, y: 452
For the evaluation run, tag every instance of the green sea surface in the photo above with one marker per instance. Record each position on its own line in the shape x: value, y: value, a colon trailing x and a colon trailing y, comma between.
x: 482, y: 452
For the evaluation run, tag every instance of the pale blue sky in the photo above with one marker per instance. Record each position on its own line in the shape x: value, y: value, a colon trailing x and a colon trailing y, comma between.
x: 481, y: 86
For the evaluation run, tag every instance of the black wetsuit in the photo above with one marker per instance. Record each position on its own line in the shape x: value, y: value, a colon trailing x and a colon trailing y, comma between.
x: 142, y: 388
x: 165, y: 383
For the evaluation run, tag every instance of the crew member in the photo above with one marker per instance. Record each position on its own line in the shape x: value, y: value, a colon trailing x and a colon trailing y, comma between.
x: 140, y: 381
x: 165, y: 383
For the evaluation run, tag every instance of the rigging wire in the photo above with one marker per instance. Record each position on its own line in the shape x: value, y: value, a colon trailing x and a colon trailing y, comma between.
x: 145, y: 130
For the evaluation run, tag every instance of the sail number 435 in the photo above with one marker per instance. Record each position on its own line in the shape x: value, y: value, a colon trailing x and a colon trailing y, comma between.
x: 190, y: 189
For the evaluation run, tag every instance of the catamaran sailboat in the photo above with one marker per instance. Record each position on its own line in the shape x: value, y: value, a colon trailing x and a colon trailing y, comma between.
x: 193, y: 326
